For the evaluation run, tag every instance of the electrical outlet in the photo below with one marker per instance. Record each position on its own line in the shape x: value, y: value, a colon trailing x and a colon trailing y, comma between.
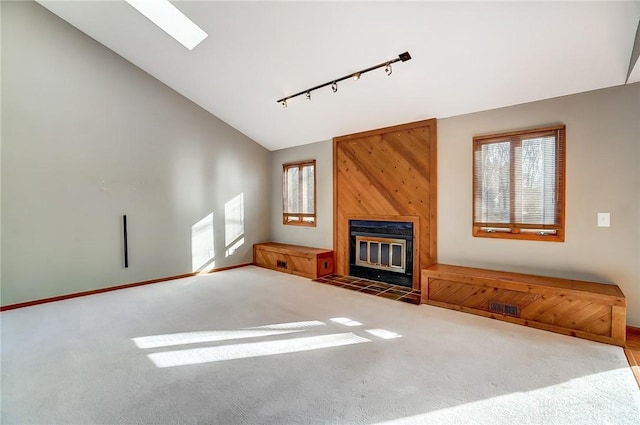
x: 604, y: 220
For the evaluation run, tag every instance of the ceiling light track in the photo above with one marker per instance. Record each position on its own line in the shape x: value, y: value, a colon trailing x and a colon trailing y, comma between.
x: 403, y: 57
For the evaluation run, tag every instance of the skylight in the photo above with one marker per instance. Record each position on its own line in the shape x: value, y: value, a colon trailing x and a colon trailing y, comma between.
x: 171, y: 20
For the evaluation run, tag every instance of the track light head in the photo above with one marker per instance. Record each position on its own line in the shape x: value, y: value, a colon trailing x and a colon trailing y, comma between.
x: 284, y: 103
x: 357, y: 75
x: 388, y: 69
x: 308, y: 96
x: 334, y: 87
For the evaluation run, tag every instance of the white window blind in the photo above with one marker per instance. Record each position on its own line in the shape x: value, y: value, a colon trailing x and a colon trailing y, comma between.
x: 299, y: 193
x: 518, y: 181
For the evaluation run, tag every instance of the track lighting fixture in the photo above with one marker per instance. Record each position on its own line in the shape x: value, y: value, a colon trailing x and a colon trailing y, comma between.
x: 403, y: 57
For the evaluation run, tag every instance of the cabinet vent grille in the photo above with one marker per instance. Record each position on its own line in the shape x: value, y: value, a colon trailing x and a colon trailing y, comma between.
x: 504, y: 309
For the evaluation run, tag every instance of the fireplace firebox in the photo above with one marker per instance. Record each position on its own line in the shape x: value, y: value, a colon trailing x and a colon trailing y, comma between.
x: 381, y: 250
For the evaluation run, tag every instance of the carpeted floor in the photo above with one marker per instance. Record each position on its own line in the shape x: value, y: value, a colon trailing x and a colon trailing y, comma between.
x: 253, y: 346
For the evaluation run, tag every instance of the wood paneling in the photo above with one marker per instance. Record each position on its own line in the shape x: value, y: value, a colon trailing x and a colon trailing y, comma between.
x: 387, y: 174
x: 632, y: 351
x: 588, y: 310
x: 299, y: 260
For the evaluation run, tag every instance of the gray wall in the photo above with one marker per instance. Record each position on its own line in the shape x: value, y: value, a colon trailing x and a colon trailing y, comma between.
x: 320, y: 236
x: 603, y: 175
x: 87, y: 137
x: 80, y: 148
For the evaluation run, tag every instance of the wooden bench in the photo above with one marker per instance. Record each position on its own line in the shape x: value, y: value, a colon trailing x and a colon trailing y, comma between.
x: 587, y: 310
x: 299, y: 260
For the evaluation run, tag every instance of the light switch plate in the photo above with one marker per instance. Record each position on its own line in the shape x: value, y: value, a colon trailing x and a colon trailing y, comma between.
x: 604, y: 219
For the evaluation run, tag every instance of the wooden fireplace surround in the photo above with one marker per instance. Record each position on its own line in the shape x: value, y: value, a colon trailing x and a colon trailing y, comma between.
x: 390, y: 174
x: 387, y: 174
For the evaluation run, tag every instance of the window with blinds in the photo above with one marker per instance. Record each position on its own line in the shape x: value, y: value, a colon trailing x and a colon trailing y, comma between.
x: 299, y: 193
x: 519, y: 184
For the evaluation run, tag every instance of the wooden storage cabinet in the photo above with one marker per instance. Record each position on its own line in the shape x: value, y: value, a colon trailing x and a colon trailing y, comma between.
x: 299, y: 260
x: 587, y: 310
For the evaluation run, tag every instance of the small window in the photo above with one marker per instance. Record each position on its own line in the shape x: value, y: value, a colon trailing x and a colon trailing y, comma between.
x: 299, y: 193
x: 519, y: 184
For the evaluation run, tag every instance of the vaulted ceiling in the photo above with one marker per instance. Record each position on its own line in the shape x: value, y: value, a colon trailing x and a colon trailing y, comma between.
x: 467, y: 57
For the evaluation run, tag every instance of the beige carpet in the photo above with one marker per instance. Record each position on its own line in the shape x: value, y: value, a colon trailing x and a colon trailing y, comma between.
x: 252, y: 346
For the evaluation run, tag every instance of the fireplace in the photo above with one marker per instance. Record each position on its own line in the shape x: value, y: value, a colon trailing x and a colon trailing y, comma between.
x: 381, y: 250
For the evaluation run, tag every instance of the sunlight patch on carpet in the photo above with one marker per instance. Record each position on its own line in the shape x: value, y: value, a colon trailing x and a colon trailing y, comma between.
x: 253, y: 349
x: 291, y: 325
x: 584, y: 400
x: 383, y: 333
x: 157, y: 341
x: 346, y: 321
x: 183, y: 338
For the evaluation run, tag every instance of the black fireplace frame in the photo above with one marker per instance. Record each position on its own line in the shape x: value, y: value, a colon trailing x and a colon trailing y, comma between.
x: 382, y: 229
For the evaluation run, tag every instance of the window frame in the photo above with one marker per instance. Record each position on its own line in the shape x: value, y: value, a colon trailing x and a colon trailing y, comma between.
x: 300, y: 216
x: 514, y: 230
